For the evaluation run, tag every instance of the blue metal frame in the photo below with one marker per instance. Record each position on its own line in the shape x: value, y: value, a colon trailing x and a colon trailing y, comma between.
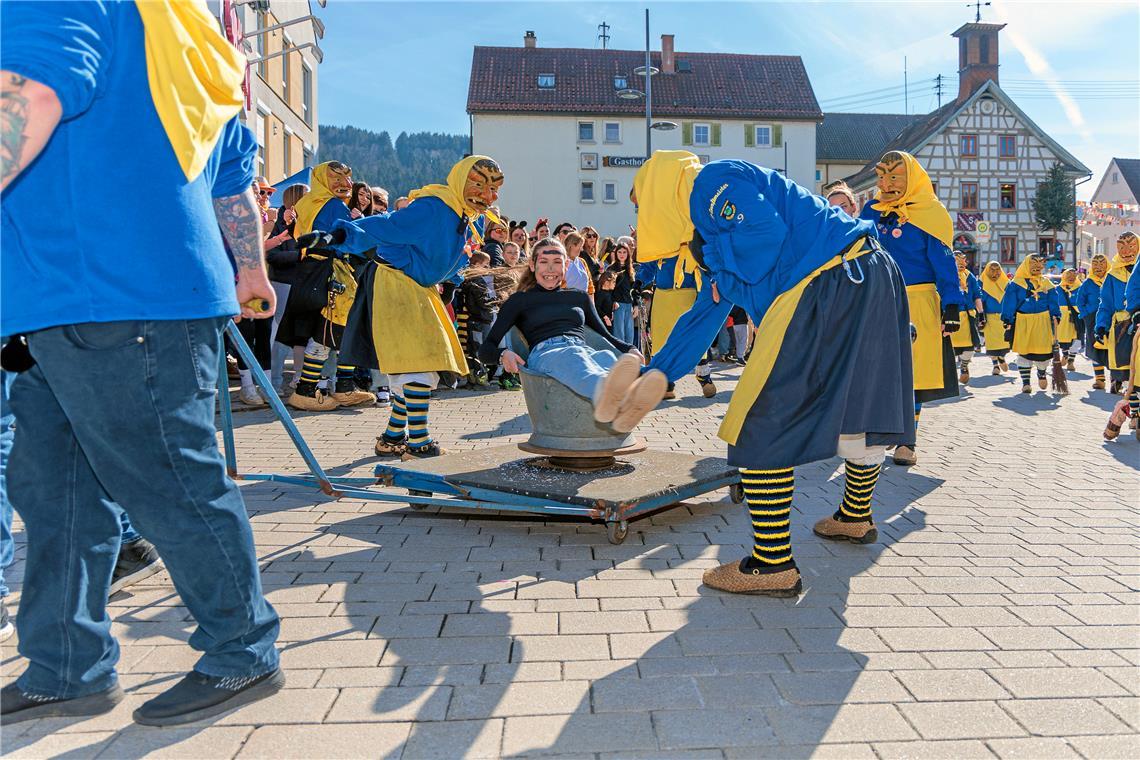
x: 472, y: 497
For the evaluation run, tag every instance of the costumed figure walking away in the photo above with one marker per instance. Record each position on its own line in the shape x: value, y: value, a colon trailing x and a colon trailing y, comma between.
x: 1028, y: 310
x: 1087, y: 302
x: 1112, y: 314
x: 666, y: 261
x: 915, y: 229
x: 994, y: 281
x: 321, y: 296
x: 1070, y: 329
x: 399, y: 324
x: 830, y: 371
x: 967, y: 338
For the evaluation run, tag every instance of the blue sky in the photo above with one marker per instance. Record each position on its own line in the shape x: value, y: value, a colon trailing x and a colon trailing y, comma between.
x: 1072, y: 66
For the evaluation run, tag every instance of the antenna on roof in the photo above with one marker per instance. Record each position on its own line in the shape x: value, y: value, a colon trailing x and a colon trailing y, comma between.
x: 977, y: 10
x: 603, y: 33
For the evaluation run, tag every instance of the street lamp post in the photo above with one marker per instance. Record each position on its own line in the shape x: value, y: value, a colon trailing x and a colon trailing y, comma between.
x: 648, y: 93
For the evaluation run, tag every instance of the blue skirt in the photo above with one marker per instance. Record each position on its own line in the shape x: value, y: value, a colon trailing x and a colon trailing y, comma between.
x: 844, y: 367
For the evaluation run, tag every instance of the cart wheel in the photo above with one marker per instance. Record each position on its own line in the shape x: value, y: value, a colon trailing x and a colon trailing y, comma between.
x: 418, y: 493
x: 617, y: 531
x: 736, y: 493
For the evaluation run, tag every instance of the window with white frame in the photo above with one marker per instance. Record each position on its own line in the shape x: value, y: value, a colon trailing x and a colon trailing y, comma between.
x: 286, y: 44
x: 763, y: 135
x: 621, y: 82
x: 609, y: 192
x: 701, y: 134
x: 546, y: 81
x: 613, y: 131
x: 307, y: 93
x: 586, y: 191
x: 585, y: 131
x: 286, y: 153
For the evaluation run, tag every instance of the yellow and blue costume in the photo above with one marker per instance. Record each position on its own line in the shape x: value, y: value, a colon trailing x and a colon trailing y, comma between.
x: 1112, y: 317
x: 830, y: 371
x: 1087, y: 302
x: 1029, y: 307
x: 400, y: 325
x: 967, y: 338
x: 994, y: 281
x: 663, y: 249
x: 1070, y: 328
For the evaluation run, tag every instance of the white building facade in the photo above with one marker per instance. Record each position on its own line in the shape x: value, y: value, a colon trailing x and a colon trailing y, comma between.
x: 569, y: 144
x: 1113, y: 210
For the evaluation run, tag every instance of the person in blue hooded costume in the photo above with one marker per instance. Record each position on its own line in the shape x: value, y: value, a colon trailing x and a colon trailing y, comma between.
x: 830, y: 371
x: 398, y: 323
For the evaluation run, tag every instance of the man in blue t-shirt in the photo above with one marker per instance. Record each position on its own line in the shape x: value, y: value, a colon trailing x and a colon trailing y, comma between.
x: 122, y: 289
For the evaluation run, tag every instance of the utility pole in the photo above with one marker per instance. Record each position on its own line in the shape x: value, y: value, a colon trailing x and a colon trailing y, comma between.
x: 906, y: 100
x: 938, y: 88
x: 977, y: 10
x: 603, y: 33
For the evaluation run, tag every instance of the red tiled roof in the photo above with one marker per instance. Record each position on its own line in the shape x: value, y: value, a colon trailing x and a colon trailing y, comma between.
x: 718, y: 84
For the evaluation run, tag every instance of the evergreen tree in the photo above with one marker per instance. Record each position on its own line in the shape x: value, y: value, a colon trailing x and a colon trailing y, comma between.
x: 413, y: 160
x: 1054, y: 206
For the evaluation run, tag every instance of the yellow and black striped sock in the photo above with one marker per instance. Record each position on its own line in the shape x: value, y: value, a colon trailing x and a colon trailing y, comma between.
x: 1098, y: 371
x: 311, y: 369
x: 769, y: 496
x: 1025, y: 371
x: 857, y: 492
x: 398, y: 419
x: 344, y: 372
x: 1134, y: 402
x: 417, y: 397
x: 917, y: 412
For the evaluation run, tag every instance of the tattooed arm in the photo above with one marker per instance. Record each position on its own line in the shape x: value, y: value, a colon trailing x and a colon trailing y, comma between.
x: 240, y: 220
x: 29, y: 113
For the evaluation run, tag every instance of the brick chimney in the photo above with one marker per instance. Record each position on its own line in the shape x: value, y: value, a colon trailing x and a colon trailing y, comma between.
x: 668, y: 61
x: 529, y: 40
x: 977, y: 56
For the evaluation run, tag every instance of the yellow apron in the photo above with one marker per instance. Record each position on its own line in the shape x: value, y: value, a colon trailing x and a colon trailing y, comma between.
x: 668, y: 306
x: 963, y: 337
x: 1115, y: 360
x: 995, y: 334
x: 926, y: 316
x: 410, y: 327
x: 1067, y: 330
x: 766, y: 348
x: 1033, y: 334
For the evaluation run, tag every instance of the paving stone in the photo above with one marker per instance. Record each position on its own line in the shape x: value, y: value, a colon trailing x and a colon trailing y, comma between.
x: 569, y: 647
x: 286, y: 706
x: 942, y: 685
x: 601, y: 622
x: 1057, y: 682
x: 934, y: 639
x: 578, y: 733
x: 527, y: 698
x: 1064, y: 717
x: 1107, y: 747
x: 473, y: 650
x: 494, y: 624
x: 839, y: 723
x: 960, y: 720
x: 625, y: 694
x: 390, y: 704
x: 1031, y: 749
x: 446, y: 741
x: 839, y: 688
x: 341, y: 740
x: 950, y: 750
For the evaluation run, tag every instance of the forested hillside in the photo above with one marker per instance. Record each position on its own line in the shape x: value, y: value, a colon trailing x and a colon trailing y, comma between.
x: 414, y: 160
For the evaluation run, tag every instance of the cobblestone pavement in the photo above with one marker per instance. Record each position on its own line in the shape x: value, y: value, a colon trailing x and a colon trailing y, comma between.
x: 997, y: 615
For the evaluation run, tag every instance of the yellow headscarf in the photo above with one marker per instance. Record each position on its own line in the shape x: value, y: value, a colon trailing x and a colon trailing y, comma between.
x: 1092, y: 276
x: 194, y: 75
x: 1040, y: 283
x: 663, y: 185
x: 995, y: 289
x: 1070, y: 287
x: 452, y: 192
x: 919, y: 205
x: 313, y: 201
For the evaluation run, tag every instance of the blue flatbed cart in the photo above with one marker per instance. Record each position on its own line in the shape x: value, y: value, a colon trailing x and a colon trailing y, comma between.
x: 633, y: 483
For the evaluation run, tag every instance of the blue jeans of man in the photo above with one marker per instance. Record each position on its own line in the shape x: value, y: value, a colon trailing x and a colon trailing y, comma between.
x: 623, y: 322
x: 571, y: 362
x: 114, y: 416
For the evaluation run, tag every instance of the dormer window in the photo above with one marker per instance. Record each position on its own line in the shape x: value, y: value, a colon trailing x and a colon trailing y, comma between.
x: 621, y: 82
x: 546, y: 81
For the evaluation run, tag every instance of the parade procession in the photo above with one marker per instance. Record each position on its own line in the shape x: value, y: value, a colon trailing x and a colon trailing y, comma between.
x: 786, y: 429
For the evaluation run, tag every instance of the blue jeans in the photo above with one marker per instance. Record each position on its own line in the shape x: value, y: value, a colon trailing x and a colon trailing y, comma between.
x: 623, y: 323
x: 115, y: 416
x: 723, y: 340
x: 571, y: 362
x: 7, y: 544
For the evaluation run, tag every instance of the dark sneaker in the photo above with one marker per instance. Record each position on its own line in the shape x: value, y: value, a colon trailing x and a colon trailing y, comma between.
x: 6, y: 627
x: 199, y: 696
x: 423, y: 452
x: 17, y: 705
x: 137, y: 560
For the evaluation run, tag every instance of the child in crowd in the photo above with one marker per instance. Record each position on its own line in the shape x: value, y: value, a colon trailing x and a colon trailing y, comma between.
x: 604, y: 298
x: 577, y: 273
x: 476, y: 302
x: 553, y: 321
x: 511, y: 254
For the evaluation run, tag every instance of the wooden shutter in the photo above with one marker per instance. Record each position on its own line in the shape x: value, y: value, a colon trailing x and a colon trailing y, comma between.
x: 686, y: 133
x: 749, y: 135
x: 714, y: 135
x: 777, y: 135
